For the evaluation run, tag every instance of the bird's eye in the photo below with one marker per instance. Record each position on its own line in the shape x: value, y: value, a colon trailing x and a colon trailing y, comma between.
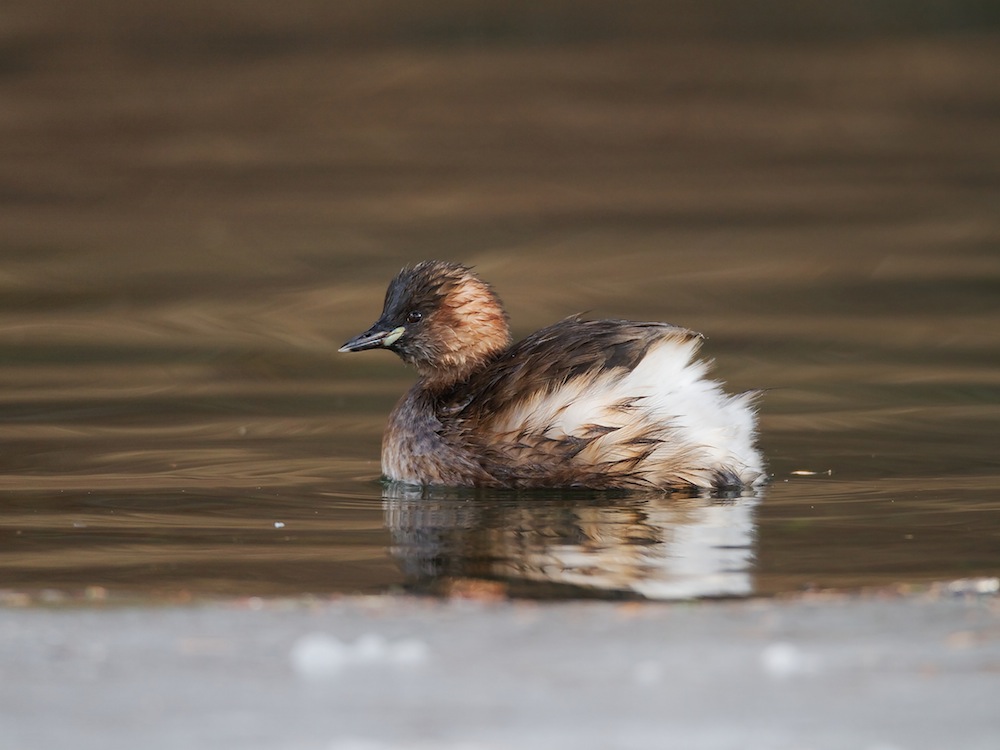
x: 414, y: 316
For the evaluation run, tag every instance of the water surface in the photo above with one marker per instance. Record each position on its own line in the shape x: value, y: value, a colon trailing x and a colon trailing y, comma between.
x: 190, y: 231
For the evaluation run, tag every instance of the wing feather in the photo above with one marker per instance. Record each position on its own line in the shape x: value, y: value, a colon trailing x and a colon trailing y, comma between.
x: 606, y: 404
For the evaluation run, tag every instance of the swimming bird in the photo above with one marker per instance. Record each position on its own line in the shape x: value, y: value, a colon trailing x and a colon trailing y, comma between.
x: 602, y: 404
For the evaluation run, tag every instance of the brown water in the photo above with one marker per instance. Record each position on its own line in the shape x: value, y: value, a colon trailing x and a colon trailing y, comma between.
x: 199, y: 204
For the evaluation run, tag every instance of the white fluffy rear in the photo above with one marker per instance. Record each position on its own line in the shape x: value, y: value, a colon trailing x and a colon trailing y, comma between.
x: 677, y: 427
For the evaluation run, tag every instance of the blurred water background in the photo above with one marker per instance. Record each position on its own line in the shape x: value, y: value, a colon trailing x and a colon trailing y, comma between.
x: 199, y: 201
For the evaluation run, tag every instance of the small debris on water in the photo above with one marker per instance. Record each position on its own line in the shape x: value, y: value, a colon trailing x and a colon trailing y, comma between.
x: 810, y: 473
x: 279, y: 524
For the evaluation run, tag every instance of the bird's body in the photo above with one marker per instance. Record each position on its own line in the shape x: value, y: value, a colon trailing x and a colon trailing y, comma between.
x: 600, y: 404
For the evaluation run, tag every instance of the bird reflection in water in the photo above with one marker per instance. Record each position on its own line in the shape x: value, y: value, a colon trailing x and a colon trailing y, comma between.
x: 574, y: 543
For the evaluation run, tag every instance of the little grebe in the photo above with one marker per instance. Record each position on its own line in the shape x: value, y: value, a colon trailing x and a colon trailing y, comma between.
x: 583, y: 403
